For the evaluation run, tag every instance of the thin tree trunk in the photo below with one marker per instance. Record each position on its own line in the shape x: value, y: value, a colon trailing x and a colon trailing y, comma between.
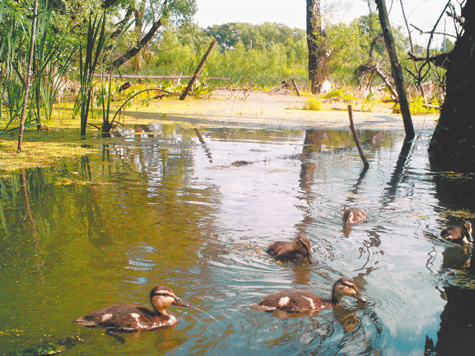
x: 198, y: 70
x: 396, y: 69
x: 418, y: 78
x: 28, y: 77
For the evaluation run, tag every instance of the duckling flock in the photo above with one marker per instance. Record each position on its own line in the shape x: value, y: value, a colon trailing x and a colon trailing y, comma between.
x: 130, y: 317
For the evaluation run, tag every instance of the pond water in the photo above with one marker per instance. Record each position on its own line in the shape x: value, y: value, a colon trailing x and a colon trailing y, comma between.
x: 159, y: 207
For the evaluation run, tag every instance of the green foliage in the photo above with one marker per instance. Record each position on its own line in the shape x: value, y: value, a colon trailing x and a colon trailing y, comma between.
x: 276, y: 53
x: 313, y: 104
x: 417, y: 107
x: 334, y: 93
x: 51, y: 60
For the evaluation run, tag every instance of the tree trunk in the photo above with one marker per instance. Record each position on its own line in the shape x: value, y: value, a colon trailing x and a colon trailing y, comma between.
x: 453, y: 143
x: 316, y: 43
x: 396, y: 69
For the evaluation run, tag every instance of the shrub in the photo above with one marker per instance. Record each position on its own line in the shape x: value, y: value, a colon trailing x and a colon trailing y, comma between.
x: 313, y: 104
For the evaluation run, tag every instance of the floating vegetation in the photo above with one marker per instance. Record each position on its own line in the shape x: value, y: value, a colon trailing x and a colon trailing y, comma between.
x: 462, y: 214
x: 49, y: 348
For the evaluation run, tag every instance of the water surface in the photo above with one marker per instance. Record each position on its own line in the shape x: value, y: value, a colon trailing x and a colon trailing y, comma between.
x: 159, y: 207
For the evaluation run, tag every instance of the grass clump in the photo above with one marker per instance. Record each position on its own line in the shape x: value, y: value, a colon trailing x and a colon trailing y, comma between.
x: 313, y: 104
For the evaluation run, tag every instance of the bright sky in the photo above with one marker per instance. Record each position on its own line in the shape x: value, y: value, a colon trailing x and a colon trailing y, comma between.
x: 421, y: 13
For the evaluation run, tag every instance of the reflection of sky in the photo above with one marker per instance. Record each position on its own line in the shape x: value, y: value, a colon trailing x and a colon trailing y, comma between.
x: 264, y: 201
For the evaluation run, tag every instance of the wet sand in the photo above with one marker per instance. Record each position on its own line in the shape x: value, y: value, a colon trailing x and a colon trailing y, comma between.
x: 260, y: 109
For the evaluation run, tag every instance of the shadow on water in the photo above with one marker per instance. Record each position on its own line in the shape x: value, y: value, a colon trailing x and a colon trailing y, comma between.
x: 166, y: 205
x: 455, y: 192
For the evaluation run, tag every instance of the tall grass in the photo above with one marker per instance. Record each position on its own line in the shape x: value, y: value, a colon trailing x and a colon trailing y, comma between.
x: 88, y: 61
x: 51, y: 59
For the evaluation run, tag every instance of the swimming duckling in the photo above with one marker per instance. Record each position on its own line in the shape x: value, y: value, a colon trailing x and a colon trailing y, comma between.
x: 298, y: 250
x: 130, y: 317
x: 354, y: 215
x: 296, y: 301
x: 460, y: 234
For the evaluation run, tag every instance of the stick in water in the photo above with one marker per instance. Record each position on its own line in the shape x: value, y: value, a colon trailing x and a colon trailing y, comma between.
x: 355, y: 135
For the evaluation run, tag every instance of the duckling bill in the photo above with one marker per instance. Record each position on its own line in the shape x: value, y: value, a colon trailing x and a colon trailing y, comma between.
x: 130, y: 317
x: 297, y: 251
x: 459, y: 234
x: 296, y: 301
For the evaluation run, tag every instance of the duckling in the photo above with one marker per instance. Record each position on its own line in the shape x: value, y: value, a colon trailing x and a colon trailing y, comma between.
x: 460, y: 234
x: 130, y: 317
x: 354, y: 215
x: 298, y: 250
x: 296, y: 301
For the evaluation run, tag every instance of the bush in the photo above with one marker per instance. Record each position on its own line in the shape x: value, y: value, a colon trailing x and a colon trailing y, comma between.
x: 313, y: 104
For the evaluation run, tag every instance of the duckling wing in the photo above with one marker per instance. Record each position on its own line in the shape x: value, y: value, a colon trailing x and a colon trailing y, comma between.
x: 451, y: 233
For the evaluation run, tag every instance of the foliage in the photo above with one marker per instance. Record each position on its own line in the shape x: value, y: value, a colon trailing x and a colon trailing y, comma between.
x: 52, y: 56
x: 313, y: 104
x: 265, y: 54
x: 88, y: 60
x: 418, y: 107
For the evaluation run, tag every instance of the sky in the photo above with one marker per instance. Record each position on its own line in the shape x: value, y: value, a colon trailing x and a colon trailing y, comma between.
x: 421, y: 13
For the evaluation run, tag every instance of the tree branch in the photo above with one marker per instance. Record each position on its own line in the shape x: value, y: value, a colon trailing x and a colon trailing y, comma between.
x: 146, y: 39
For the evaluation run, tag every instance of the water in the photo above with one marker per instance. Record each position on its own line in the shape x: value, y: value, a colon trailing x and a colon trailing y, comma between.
x: 161, y: 208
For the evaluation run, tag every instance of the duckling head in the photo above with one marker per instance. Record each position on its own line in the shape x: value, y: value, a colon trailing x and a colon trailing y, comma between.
x: 467, y: 227
x: 345, y: 286
x: 163, y: 297
x: 302, y: 244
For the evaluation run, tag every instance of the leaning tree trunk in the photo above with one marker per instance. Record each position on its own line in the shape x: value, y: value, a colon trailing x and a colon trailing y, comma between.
x: 396, y: 69
x: 316, y: 42
x: 453, y: 143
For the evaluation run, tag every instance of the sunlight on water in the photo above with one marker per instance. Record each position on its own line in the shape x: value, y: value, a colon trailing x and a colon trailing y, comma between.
x: 167, y: 209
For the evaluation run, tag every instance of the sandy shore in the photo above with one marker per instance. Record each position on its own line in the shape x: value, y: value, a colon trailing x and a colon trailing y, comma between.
x: 258, y: 109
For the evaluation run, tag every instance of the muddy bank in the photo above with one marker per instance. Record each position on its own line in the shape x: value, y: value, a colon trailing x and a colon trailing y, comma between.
x: 259, y: 109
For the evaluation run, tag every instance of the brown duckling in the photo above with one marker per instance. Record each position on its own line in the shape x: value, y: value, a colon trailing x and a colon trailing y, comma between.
x: 459, y: 234
x: 131, y: 317
x: 297, y: 250
x: 296, y: 301
x: 354, y: 215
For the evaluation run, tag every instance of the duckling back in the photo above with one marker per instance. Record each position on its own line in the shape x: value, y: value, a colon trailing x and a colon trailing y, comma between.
x: 127, y: 317
x: 292, y: 301
x: 459, y: 234
x: 297, y: 251
x: 354, y: 215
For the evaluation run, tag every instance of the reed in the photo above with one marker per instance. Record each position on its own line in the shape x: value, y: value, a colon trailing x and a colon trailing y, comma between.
x: 88, y: 60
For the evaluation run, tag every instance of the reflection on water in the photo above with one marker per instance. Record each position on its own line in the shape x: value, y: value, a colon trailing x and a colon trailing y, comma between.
x: 195, y: 209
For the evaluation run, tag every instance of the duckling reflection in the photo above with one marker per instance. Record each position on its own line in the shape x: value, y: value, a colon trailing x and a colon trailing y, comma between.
x: 130, y: 317
x: 459, y: 234
x: 297, y: 251
x: 296, y: 301
x: 457, y: 257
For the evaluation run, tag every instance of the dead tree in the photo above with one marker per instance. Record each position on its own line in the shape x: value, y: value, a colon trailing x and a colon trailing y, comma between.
x: 396, y: 69
x: 373, y: 67
x: 316, y: 43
